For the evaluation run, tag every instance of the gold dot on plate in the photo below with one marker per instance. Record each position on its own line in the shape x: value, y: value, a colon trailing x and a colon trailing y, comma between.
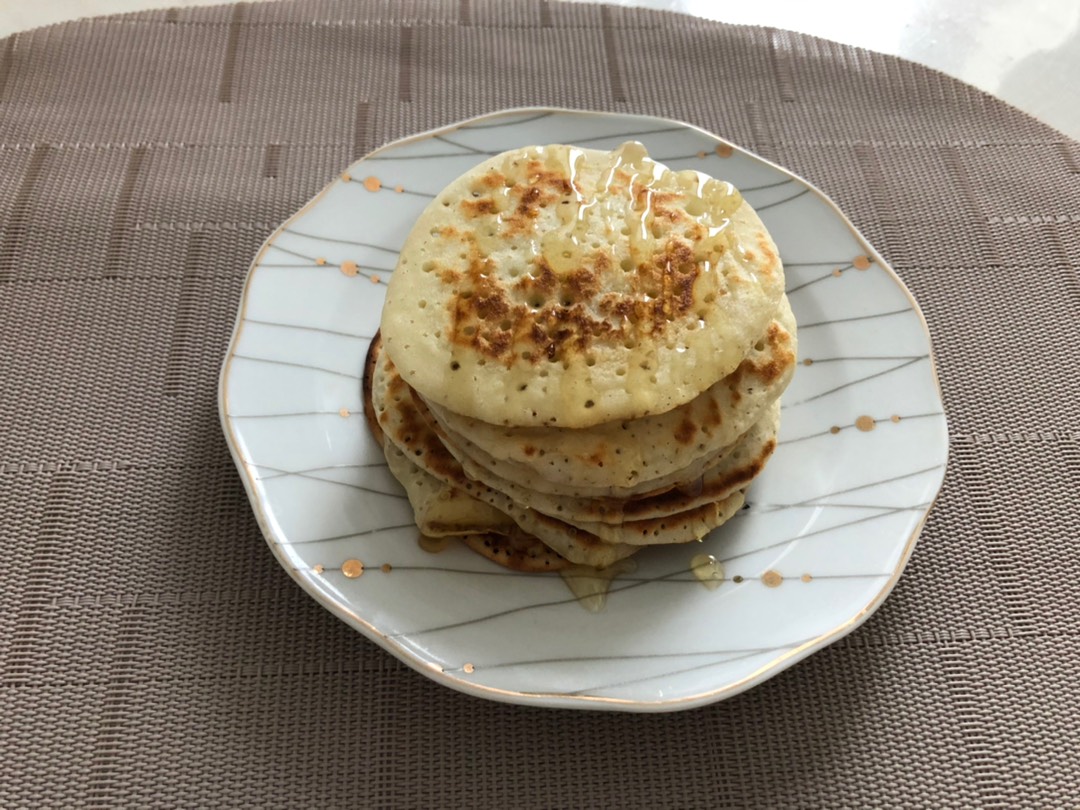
x: 469, y: 668
x: 372, y: 183
x: 349, y: 268
x: 737, y: 579
x: 320, y: 261
x: 772, y: 579
x: 701, y: 154
x: 865, y: 423
x: 399, y: 189
x: 724, y: 149
x: 352, y: 568
x: 318, y: 569
x: 346, y: 177
x: 344, y: 413
x: 808, y: 362
x: 834, y: 430
x: 838, y: 272
x: 806, y: 577
x: 386, y: 568
x: 861, y: 262
x: 373, y: 279
x: 894, y: 418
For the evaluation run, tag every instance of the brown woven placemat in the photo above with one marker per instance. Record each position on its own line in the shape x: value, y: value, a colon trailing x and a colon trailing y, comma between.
x: 152, y: 653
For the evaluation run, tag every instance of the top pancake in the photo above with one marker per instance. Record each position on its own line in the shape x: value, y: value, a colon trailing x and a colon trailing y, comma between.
x: 568, y: 287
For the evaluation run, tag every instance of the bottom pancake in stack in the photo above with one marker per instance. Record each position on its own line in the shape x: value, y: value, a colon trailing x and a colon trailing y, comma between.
x: 543, y: 499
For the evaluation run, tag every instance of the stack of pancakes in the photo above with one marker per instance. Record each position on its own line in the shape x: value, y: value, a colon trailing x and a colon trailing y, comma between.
x: 581, y: 354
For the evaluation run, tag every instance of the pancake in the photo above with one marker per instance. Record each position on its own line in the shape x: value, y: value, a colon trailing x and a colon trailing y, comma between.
x: 735, y: 467
x: 424, y: 467
x: 400, y: 417
x: 682, y: 527
x: 627, y: 456
x: 518, y: 552
x: 558, y: 286
x: 441, y: 510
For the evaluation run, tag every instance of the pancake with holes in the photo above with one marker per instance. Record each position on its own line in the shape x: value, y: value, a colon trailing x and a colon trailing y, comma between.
x: 445, y: 501
x: 582, y: 349
x: 567, y: 287
x: 410, y: 440
x: 722, y: 475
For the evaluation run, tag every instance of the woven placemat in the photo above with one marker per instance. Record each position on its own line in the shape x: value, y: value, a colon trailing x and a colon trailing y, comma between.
x: 152, y: 653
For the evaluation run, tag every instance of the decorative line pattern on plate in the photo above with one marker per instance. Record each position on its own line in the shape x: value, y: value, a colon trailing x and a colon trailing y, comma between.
x: 868, y: 485
x: 331, y: 481
x: 347, y: 413
x: 346, y: 267
x: 826, y: 277
x: 327, y: 239
x: 307, y: 366
x: 832, y: 431
x: 308, y: 328
x: 788, y: 404
x: 372, y: 183
x: 277, y: 473
x: 631, y: 657
x: 352, y: 535
x: 507, y: 121
x: 833, y: 321
x: 767, y: 206
x: 818, y: 533
x: 737, y: 579
x: 600, y: 688
x: 622, y: 585
x: 466, y: 147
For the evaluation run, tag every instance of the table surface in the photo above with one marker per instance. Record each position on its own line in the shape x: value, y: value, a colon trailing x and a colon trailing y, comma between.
x: 1026, y: 52
x: 152, y: 651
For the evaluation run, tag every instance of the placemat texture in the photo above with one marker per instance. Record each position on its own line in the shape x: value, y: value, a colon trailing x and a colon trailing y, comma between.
x: 152, y: 653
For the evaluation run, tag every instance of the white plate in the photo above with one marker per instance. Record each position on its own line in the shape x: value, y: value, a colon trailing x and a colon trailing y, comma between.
x: 833, y: 519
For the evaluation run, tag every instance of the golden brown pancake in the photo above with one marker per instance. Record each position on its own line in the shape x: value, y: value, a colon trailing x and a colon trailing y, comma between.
x: 582, y: 353
x: 444, y: 501
x: 402, y: 418
x: 570, y: 287
x: 729, y: 470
